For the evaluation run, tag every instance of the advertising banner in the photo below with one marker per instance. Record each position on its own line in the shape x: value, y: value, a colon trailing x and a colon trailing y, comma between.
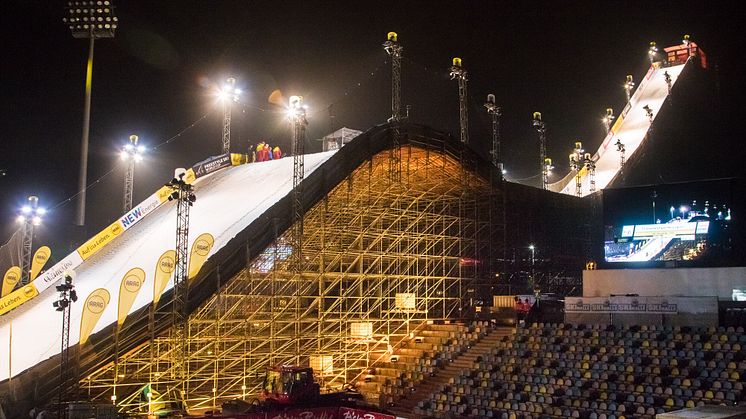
x: 620, y: 305
x: 17, y: 297
x: 128, y: 290
x: 97, y: 242
x: 57, y: 272
x: 200, y: 250
x: 210, y: 165
x: 10, y: 279
x: 39, y: 260
x: 93, y: 308
x: 163, y: 270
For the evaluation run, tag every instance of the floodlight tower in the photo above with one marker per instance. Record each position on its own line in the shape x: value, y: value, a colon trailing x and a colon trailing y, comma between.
x: 67, y: 297
x: 652, y: 52
x: 541, y: 129
x: 229, y: 94
x: 29, y: 217
x: 621, y: 149
x: 394, y: 50
x: 608, y: 119
x: 548, y: 166
x: 576, y: 163
x: 459, y: 73
x: 297, y: 113
x: 183, y: 193
x: 688, y: 42
x: 496, y: 112
x: 590, y: 166
x: 131, y: 153
x: 628, y: 86
x: 88, y: 20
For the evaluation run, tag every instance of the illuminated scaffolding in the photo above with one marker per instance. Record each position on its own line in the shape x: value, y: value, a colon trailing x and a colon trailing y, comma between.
x: 380, y: 258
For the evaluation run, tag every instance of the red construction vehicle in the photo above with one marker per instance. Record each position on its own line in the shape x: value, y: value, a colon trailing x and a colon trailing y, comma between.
x: 290, y: 385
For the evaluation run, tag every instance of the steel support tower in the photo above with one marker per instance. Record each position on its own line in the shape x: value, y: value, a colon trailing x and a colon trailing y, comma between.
x: 299, y: 124
x: 230, y: 97
x: 590, y: 166
x: 68, y: 295
x: 130, y: 153
x: 183, y: 194
x: 29, y: 218
x: 628, y: 86
x: 394, y: 50
x: 459, y: 73
x: 576, y: 164
x: 496, y: 112
x: 379, y: 260
x: 541, y: 129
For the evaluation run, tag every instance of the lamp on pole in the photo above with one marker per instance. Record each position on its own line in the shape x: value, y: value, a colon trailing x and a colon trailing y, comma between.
x: 496, y: 112
x: 88, y: 20
x: 29, y: 217
x: 131, y: 153
x: 608, y: 119
x: 67, y: 297
x: 628, y: 86
x: 541, y: 129
x: 577, y: 162
x: 183, y: 193
x: 229, y: 94
x: 459, y: 73
x: 652, y: 52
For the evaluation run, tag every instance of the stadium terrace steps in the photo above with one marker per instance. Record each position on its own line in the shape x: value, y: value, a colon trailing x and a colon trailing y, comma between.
x: 405, y: 406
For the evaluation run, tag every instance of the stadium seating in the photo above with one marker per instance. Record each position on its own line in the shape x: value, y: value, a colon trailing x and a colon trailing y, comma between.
x: 564, y: 370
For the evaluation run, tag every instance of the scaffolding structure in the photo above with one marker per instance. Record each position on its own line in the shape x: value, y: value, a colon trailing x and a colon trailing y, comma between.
x: 379, y: 259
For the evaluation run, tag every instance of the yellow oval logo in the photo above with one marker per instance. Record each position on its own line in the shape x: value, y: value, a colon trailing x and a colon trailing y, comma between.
x: 28, y: 291
x: 12, y: 278
x: 96, y: 304
x: 202, y: 247
x: 132, y: 283
x: 116, y: 229
x: 167, y: 264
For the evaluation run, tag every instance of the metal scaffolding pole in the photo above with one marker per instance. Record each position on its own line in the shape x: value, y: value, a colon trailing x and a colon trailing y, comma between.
x: 229, y: 95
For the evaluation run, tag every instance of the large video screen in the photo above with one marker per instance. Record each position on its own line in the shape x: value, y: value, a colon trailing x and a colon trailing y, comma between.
x: 690, y: 223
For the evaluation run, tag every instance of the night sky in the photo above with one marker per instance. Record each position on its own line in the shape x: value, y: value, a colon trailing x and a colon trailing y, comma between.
x: 156, y: 78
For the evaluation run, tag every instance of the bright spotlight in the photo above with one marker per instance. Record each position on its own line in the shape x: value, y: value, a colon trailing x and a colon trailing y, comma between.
x: 25, y: 209
x: 21, y: 219
x: 41, y: 211
x: 36, y: 220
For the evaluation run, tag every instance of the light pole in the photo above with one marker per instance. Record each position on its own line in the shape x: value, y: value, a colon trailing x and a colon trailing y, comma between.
x: 496, y: 112
x: 67, y: 297
x: 628, y: 86
x: 652, y: 52
x: 229, y: 94
x: 29, y: 217
x: 672, y: 210
x: 653, y: 196
x: 459, y: 73
x: 131, y: 153
x: 183, y: 193
x: 576, y: 163
x: 88, y: 20
x: 608, y: 119
x: 541, y: 129
x: 394, y: 50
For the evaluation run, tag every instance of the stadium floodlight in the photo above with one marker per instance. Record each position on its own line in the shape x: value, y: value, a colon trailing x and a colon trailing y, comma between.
x: 652, y: 52
x: 30, y: 216
x: 132, y: 153
x: 88, y: 19
x: 228, y: 95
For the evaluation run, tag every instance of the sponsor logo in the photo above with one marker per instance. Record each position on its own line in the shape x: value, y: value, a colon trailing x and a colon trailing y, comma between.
x: 28, y: 291
x: 116, y: 229
x: 11, y: 278
x: 202, y: 247
x: 131, y: 217
x: 167, y: 265
x: 96, y: 304
x: 132, y: 283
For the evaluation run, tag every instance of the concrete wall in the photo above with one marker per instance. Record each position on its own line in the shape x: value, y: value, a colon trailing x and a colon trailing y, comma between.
x: 700, y: 282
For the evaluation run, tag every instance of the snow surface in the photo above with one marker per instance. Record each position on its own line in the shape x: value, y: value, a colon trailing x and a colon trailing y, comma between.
x: 651, y: 92
x: 227, y: 202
